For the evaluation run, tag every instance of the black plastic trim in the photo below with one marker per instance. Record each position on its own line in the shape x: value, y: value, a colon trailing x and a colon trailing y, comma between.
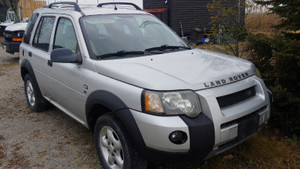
x: 270, y: 97
x: 202, y: 139
x: 271, y: 101
x: 129, y: 122
x: 104, y: 98
x: 65, y: 55
x: 27, y: 66
x: 237, y: 97
x: 11, y: 47
x: 151, y: 154
x: 119, y: 108
x: 202, y: 135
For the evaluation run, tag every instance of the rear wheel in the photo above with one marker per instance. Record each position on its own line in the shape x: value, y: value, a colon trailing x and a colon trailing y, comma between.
x: 115, y: 148
x: 34, y: 98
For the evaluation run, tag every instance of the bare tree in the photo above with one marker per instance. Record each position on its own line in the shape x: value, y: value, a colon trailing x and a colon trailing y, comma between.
x: 227, y: 22
x: 4, y: 3
x: 14, y: 5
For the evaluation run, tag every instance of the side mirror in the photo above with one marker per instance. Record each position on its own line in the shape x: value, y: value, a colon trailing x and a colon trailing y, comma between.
x: 64, y: 55
x: 185, y: 40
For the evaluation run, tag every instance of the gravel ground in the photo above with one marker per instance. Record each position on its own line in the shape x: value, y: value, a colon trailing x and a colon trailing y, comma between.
x: 48, y: 139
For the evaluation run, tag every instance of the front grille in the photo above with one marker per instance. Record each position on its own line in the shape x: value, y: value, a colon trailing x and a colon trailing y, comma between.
x: 237, y: 97
x: 8, y: 35
x: 2, y: 28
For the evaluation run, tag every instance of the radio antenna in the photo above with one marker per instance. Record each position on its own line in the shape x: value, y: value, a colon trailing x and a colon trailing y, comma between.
x: 115, y: 6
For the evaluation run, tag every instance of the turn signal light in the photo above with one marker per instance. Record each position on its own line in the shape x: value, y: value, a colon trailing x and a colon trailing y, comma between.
x: 153, y: 103
x: 17, y: 39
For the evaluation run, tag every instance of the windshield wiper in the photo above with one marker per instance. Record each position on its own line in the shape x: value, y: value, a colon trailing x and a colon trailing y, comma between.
x: 165, y: 47
x: 121, y: 53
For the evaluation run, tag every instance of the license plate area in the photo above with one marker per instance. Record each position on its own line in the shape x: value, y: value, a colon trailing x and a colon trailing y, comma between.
x: 248, y: 126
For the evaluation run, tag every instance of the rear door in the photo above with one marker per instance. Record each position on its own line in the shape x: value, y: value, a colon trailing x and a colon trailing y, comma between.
x: 38, y: 53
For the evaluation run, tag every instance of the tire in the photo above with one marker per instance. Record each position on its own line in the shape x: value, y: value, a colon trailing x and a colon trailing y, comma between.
x: 36, y: 102
x: 114, y: 146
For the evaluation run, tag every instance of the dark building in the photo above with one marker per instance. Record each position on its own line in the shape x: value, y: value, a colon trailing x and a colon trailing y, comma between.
x: 3, y: 11
x: 188, y: 17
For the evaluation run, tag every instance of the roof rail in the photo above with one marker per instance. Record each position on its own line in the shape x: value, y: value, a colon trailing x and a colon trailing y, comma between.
x: 76, y: 7
x: 120, y: 3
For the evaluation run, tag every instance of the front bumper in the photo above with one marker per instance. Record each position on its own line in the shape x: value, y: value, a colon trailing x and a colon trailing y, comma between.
x: 11, y: 47
x: 212, y: 132
x: 155, y: 132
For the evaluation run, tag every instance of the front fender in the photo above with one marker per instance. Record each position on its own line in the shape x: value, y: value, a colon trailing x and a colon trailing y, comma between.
x: 119, y: 109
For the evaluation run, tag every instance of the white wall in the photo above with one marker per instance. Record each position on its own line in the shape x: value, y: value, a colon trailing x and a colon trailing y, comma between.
x: 137, y: 2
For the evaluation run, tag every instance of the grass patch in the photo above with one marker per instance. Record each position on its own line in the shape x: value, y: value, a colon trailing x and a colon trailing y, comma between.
x: 261, y: 22
x: 264, y: 150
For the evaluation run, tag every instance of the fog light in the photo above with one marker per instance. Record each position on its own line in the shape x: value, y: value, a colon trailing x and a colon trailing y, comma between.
x: 178, y: 137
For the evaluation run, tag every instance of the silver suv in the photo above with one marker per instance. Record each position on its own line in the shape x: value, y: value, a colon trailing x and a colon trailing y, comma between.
x: 132, y: 81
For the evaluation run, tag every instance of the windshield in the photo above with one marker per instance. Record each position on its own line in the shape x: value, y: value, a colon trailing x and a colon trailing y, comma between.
x: 109, y: 34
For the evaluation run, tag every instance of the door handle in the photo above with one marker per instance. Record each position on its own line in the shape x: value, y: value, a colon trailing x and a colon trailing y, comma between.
x: 49, y: 63
x: 29, y: 54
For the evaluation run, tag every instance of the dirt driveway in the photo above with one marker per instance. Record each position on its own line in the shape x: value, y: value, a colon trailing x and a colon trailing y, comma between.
x: 49, y: 139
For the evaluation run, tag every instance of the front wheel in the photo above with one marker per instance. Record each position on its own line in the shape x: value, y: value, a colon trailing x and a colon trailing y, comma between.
x: 114, y: 147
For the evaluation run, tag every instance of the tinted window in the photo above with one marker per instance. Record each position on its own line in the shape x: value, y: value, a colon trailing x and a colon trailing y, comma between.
x: 113, y: 33
x: 65, y: 36
x: 43, y: 33
x: 29, y: 27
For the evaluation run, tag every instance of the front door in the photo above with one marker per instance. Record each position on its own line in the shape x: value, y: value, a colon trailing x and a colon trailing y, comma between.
x: 67, y: 90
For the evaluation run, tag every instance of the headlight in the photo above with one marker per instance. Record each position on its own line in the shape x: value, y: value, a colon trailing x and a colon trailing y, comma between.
x: 171, y: 103
x: 21, y: 34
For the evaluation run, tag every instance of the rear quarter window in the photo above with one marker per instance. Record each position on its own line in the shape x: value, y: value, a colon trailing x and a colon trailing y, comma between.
x: 30, y: 27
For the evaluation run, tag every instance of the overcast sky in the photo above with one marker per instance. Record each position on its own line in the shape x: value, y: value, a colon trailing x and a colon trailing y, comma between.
x: 137, y: 2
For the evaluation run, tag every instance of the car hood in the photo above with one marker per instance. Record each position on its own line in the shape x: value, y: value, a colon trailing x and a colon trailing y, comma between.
x: 190, y: 69
x: 6, y: 23
x: 16, y: 27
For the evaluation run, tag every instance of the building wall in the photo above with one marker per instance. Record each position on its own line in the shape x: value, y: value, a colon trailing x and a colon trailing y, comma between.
x: 154, y: 4
x: 185, y: 16
x: 28, y: 6
x: 191, y: 14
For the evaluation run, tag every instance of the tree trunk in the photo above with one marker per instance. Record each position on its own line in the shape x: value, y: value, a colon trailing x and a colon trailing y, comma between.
x: 4, y: 3
x: 14, y: 6
x: 237, y: 50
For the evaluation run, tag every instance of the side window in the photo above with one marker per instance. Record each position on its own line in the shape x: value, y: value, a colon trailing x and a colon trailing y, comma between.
x: 29, y: 27
x: 43, y: 33
x: 65, y: 36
